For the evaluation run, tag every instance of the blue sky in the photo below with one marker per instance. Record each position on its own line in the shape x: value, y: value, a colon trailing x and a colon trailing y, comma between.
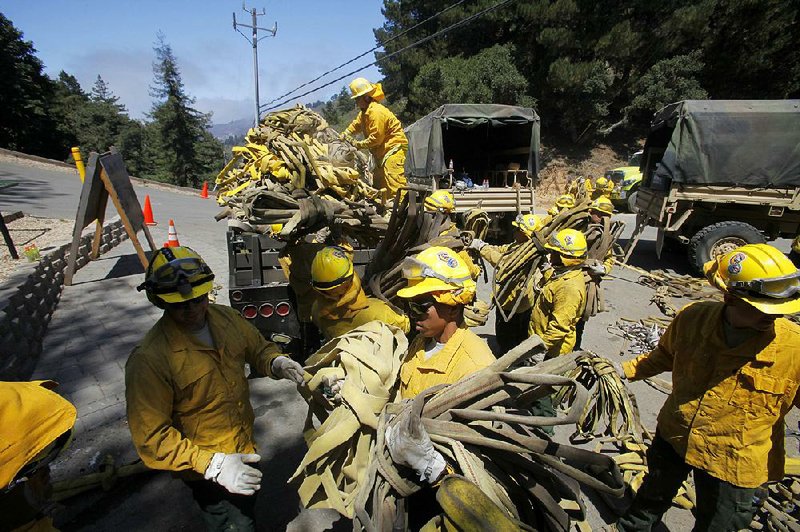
x: 114, y: 39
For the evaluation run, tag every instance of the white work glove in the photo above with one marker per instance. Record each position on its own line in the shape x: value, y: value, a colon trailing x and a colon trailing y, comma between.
x: 232, y: 472
x: 284, y: 367
x: 476, y: 244
x: 596, y: 270
x: 332, y: 389
x: 417, y: 453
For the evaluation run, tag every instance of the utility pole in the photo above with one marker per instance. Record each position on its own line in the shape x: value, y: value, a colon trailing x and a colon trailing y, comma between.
x: 254, y: 42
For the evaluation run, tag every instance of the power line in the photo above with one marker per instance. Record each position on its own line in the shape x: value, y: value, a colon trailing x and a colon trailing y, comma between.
x: 388, y: 56
x: 379, y: 45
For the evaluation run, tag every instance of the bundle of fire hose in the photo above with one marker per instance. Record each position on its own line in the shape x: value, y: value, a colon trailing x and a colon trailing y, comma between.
x: 778, y: 503
x: 411, y: 229
x: 601, y: 239
x: 481, y: 425
x: 520, y: 269
x: 295, y: 171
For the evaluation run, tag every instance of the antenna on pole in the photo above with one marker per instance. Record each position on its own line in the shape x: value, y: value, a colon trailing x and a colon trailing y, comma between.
x: 253, y: 40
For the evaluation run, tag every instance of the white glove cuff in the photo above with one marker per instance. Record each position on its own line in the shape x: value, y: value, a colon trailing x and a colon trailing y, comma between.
x: 435, y: 468
x: 215, y: 466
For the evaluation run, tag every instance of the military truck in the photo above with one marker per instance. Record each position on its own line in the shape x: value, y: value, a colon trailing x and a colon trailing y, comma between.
x: 721, y: 174
x: 495, y: 146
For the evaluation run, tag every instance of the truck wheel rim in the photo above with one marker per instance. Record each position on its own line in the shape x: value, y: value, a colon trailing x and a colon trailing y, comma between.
x: 724, y: 245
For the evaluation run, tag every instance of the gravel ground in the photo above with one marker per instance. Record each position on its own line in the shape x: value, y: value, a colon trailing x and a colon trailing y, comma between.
x: 46, y: 234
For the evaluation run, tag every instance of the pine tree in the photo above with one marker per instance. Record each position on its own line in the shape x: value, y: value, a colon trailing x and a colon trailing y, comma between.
x: 178, y: 143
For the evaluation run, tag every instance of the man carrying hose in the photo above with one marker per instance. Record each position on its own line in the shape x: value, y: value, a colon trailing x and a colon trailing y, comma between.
x: 383, y: 136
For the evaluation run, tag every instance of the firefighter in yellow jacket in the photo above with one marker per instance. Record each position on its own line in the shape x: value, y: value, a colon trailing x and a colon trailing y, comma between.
x: 511, y: 333
x: 187, y: 395
x: 559, y: 304
x: 383, y: 136
x: 444, y: 351
x: 344, y: 305
x: 35, y: 426
x: 735, y: 374
x: 443, y: 202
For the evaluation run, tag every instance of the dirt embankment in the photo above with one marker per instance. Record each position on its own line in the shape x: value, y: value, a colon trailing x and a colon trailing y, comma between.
x: 561, y: 163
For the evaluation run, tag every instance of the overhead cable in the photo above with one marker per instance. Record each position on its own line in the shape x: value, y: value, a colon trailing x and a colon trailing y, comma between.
x: 379, y: 45
x: 389, y: 55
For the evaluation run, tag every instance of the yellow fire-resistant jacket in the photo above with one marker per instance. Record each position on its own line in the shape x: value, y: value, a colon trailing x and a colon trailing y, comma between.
x: 375, y: 310
x: 725, y: 413
x: 31, y: 418
x: 381, y: 129
x: 185, y: 400
x: 464, y: 353
x: 557, y: 309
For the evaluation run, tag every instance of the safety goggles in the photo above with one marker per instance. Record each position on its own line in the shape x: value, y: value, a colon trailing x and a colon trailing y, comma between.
x: 177, y: 274
x: 420, y: 308
x: 778, y: 288
x: 416, y: 270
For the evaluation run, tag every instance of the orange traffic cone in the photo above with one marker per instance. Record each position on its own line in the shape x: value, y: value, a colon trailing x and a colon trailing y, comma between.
x: 172, y: 236
x: 148, y: 212
x: 204, y: 192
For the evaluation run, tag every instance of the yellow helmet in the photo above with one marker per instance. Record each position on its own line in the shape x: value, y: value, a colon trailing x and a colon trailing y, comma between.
x: 175, y: 275
x: 568, y: 243
x: 528, y: 223
x: 438, y: 271
x: 602, y: 205
x: 330, y: 268
x: 759, y: 274
x: 565, y: 201
x: 440, y: 200
x: 360, y: 87
x: 601, y: 182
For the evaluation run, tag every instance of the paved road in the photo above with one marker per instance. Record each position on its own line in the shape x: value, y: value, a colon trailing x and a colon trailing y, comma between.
x: 102, y: 317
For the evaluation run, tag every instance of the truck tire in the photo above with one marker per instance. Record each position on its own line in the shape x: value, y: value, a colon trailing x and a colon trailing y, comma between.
x: 719, y: 238
x: 632, y: 201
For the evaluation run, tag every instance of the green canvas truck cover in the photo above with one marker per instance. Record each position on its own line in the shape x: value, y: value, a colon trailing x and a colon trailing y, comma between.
x: 729, y: 142
x: 426, y: 155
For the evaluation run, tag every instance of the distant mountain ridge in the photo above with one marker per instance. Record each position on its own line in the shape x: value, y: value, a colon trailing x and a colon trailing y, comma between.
x: 237, y: 128
x: 234, y: 128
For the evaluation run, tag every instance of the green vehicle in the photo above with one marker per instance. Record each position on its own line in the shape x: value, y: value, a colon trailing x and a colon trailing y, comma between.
x: 626, y: 181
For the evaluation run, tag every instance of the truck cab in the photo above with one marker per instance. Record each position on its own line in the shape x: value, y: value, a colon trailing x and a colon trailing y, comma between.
x: 626, y: 181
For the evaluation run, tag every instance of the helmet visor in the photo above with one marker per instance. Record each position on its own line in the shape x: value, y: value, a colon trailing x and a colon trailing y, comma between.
x: 177, y: 274
x: 778, y: 288
x: 414, y: 270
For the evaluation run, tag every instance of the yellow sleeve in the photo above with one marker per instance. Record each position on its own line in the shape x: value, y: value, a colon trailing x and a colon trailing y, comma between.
x: 376, y: 129
x: 355, y: 125
x: 656, y: 361
x: 380, y: 311
x: 492, y: 254
x: 149, y: 397
x: 608, y: 261
x: 474, y: 269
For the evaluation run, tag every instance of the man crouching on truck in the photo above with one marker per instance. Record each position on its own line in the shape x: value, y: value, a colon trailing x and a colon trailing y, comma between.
x: 735, y: 373
x: 187, y: 396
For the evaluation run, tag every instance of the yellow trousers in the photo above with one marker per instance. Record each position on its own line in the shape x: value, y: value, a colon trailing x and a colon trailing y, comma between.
x: 390, y: 175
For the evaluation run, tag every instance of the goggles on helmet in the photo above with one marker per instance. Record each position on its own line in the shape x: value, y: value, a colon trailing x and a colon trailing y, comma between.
x: 778, y: 287
x: 175, y: 275
x: 416, y: 270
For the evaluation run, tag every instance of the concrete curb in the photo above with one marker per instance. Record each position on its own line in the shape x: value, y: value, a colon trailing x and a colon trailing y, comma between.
x: 139, y: 180
x: 30, y: 296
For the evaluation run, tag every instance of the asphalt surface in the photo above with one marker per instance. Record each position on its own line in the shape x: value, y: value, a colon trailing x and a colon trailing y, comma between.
x: 101, y: 317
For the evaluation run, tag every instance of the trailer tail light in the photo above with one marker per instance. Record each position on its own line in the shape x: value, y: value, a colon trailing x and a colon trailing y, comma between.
x: 249, y: 311
x: 237, y: 295
x: 283, y: 309
x: 266, y: 310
